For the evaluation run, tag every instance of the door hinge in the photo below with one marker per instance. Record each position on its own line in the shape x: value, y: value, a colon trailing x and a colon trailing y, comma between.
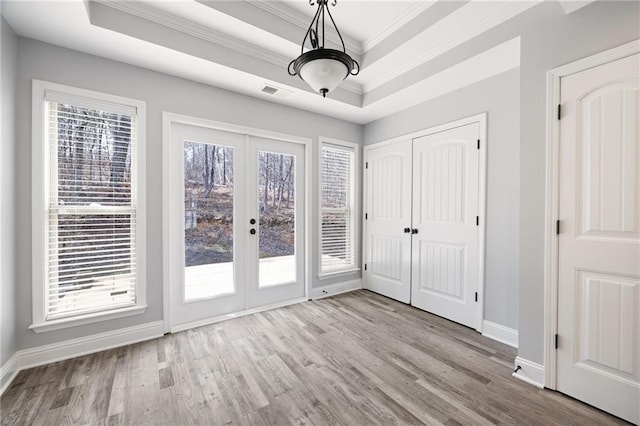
x: 366, y: 165
x: 556, y: 340
x: 478, y: 143
x: 559, y: 112
x: 477, y: 220
x: 476, y: 296
x: 365, y: 266
x: 558, y: 227
x: 366, y: 216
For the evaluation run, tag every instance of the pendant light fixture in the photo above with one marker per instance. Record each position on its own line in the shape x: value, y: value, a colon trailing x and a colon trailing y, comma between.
x: 323, y: 69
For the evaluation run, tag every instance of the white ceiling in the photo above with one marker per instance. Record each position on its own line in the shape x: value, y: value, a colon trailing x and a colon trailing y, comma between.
x: 241, y: 45
x: 362, y: 20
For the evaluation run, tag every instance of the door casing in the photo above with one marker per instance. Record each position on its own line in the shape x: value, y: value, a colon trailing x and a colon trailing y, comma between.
x: 168, y: 120
x: 552, y: 204
x: 481, y: 119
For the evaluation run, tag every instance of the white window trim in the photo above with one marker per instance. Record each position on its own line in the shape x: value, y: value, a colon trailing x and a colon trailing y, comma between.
x: 324, y: 141
x: 40, y: 180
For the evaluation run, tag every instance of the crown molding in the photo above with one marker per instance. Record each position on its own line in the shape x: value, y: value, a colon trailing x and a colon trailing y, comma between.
x: 302, y: 21
x: 393, y: 26
x: 449, y: 40
x: 145, y: 11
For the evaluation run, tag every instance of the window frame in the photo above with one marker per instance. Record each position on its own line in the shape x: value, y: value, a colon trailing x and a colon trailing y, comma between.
x: 355, y: 206
x: 41, y: 182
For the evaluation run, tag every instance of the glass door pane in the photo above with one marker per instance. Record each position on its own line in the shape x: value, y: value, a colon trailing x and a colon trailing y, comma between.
x: 208, y: 220
x: 277, y: 219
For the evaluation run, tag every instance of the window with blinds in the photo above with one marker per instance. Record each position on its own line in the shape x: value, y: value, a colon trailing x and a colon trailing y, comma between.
x: 337, y: 208
x: 91, y: 217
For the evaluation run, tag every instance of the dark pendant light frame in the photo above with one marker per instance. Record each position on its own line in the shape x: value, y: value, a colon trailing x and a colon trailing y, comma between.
x: 318, y: 50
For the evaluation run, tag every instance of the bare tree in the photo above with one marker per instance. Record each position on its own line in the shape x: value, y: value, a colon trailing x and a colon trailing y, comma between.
x: 122, y: 142
x: 265, y: 203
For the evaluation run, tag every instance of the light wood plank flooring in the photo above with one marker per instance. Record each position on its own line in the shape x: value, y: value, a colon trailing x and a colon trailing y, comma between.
x: 353, y: 359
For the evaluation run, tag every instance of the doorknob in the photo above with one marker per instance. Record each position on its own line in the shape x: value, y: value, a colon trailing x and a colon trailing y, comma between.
x: 407, y: 230
x: 252, y: 221
x: 414, y: 231
x: 252, y: 231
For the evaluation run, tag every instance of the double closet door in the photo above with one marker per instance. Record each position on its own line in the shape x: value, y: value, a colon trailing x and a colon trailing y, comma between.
x: 422, y: 242
x: 237, y: 223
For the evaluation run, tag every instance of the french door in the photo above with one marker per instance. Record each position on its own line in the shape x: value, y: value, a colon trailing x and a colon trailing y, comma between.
x: 237, y: 223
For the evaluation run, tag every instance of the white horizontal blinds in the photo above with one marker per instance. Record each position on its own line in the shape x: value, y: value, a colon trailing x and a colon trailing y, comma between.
x: 92, y: 216
x: 337, y: 209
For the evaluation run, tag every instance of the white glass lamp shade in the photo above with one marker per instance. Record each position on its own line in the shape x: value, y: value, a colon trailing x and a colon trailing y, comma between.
x: 324, y: 73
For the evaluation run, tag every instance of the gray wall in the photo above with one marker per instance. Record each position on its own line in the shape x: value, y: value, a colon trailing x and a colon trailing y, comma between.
x: 514, y: 100
x: 549, y: 38
x: 161, y: 92
x: 499, y: 97
x: 7, y: 193
x: 554, y: 40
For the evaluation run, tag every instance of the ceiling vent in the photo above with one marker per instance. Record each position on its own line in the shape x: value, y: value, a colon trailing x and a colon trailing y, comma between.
x: 276, y: 91
x: 270, y: 90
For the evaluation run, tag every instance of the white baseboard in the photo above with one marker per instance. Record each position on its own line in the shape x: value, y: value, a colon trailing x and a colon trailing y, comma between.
x: 530, y: 372
x: 506, y: 335
x: 315, y: 293
x: 54, y: 352
x: 333, y: 289
x: 8, y: 372
x: 47, y: 354
x: 225, y: 317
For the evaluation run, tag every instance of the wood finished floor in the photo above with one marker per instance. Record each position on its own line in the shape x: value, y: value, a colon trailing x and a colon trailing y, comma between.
x: 353, y: 359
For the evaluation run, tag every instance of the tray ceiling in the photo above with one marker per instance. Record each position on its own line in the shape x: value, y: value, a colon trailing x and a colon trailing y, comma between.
x: 243, y: 45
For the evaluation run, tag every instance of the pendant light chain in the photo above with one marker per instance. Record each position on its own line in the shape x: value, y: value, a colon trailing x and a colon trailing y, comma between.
x: 323, y: 8
x: 308, y: 34
x: 344, y: 49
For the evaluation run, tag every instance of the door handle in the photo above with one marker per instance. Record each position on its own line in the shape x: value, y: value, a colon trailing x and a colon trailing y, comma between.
x: 252, y: 221
x: 252, y: 231
x: 414, y: 231
x: 407, y: 230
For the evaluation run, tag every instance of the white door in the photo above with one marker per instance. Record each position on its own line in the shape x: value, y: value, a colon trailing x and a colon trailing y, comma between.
x: 388, y: 217
x: 445, y: 246
x: 599, y: 241
x: 275, y: 175
x: 236, y: 223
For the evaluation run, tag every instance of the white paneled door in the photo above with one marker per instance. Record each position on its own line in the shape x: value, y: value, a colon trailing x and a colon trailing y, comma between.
x: 445, y: 241
x: 422, y: 233
x: 236, y: 223
x: 599, y: 241
x: 388, y: 220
